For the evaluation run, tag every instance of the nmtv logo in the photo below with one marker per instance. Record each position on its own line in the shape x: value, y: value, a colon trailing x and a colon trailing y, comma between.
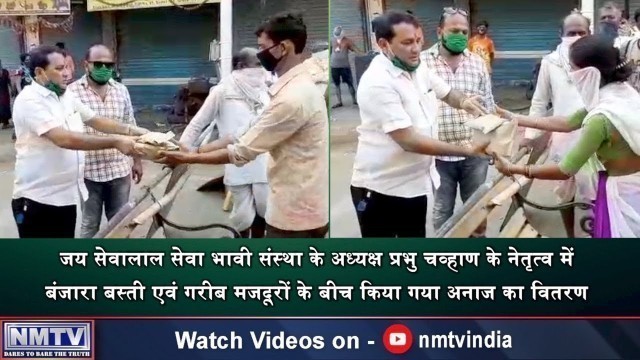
x: 47, y: 336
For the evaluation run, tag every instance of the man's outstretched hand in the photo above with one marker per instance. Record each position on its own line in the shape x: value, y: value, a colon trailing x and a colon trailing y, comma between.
x: 175, y: 158
x: 473, y: 106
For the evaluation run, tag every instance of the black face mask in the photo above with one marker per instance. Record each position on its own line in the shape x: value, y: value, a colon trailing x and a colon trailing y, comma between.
x: 268, y: 61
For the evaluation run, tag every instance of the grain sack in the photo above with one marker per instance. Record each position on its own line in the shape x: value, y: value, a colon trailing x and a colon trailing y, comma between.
x: 501, y: 133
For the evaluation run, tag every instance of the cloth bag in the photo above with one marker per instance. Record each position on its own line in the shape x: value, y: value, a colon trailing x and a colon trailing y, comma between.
x: 501, y: 133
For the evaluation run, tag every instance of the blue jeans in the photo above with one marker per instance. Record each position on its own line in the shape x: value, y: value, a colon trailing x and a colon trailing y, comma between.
x: 470, y: 173
x: 112, y: 195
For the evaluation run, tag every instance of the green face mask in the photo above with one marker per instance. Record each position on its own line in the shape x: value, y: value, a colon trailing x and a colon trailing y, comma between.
x: 101, y: 75
x: 400, y: 64
x: 53, y: 87
x: 455, y: 43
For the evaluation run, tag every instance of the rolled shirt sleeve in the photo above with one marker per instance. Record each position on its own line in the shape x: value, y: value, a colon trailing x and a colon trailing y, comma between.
x: 86, y: 113
x: 439, y: 86
x: 278, y: 122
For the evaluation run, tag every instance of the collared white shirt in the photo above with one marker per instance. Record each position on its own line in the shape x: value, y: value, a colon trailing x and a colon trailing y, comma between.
x: 391, y: 99
x: 235, y: 116
x: 44, y: 172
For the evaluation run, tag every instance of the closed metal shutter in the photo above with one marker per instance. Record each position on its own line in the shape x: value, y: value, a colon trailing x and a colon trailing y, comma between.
x: 9, y: 49
x: 350, y: 15
x: 249, y: 14
x: 161, y: 48
x: 524, y: 30
x: 428, y: 12
x: 86, y: 31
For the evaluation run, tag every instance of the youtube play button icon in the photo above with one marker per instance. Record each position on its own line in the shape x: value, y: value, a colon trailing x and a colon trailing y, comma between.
x: 397, y: 339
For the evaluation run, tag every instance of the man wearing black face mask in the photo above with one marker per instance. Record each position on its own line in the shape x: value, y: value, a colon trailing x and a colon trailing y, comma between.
x: 293, y: 129
x: 108, y: 173
x: 50, y: 145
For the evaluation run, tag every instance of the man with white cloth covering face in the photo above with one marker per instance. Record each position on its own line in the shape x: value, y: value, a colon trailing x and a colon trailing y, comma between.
x: 237, y: 103
x: 556, y: 88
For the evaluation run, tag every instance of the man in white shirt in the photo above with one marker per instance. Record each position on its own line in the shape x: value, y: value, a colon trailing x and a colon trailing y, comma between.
x: 49, y: 169
x: 555, y: 88
x: 237, y: 103
x: 398, y: 137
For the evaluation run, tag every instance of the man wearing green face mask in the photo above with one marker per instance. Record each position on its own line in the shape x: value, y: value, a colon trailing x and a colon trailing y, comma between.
x: 394, y: 171
x: 108, y: 173
x: 467, y: 73
x: 50, y: 146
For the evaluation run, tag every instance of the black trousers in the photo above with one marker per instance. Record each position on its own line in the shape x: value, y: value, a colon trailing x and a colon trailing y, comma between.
x: 41, y: 221
x: 383, y: 216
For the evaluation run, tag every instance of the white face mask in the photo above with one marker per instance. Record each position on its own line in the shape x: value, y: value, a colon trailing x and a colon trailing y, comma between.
x: 587, y: 81
x: 567, y: 41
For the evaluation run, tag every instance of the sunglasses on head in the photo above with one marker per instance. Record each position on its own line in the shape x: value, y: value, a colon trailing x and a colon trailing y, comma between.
x: 99, y: 64
x: 454, y: 11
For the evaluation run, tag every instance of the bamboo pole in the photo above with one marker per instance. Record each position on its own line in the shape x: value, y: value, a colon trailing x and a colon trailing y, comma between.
x: 510, y: 191
x: 176, y: 175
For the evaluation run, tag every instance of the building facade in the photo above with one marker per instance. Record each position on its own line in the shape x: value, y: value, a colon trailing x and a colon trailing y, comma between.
x: 523, y: 32
x: 159, y: 49
x: 11, y: 47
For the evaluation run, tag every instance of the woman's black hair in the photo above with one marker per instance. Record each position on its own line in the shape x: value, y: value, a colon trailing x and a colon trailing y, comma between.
x: 598, y: 51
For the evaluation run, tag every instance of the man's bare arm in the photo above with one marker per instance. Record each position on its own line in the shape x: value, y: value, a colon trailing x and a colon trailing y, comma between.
x: 412, y: 141
x: 78, y: 141
x: 109, y: 126
x: 455, y: 99
x: 217, y: 144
